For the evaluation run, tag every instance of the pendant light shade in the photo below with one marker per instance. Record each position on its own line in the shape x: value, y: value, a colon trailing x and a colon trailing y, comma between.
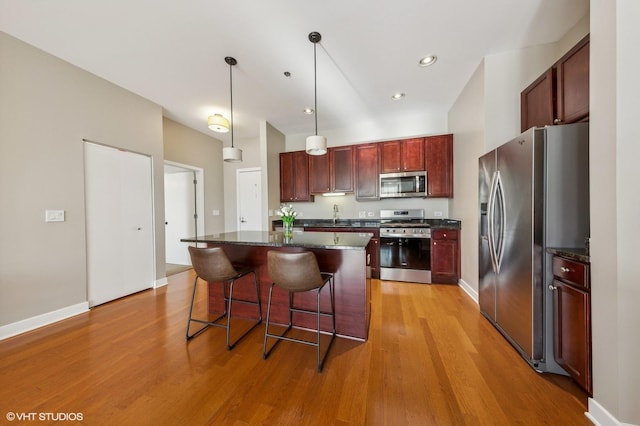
x: 230, y: 154
x: 218, y: 123
x: 316, y: 145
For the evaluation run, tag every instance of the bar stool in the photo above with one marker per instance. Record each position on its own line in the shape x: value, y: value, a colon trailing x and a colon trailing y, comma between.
x: 212, y: 265
x: 295, y: 273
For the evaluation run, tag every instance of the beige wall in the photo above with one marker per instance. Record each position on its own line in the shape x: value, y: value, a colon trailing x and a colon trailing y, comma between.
x: 47, y: 107
x: 187, y: 146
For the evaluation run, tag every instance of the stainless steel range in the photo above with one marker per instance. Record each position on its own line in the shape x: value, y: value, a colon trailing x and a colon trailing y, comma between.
x: 405, y: 246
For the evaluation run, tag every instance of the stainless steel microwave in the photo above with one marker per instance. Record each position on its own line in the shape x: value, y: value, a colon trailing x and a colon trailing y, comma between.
x: 401, y: 185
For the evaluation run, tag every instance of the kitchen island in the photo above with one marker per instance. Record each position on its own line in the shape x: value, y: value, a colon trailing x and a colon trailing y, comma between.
x: 344, y: 254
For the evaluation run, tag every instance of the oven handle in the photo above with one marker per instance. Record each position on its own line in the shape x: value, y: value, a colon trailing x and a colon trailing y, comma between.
x: 397, y: 237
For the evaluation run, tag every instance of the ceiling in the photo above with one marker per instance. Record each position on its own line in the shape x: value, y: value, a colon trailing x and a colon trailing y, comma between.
x: 172, y: 52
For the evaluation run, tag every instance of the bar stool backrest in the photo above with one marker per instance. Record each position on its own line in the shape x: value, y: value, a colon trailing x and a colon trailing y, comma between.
x: 211, y: 264
x: 294, y: 272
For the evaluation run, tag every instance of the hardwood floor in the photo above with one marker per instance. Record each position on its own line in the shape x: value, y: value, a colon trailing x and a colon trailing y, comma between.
x: 431, y: 360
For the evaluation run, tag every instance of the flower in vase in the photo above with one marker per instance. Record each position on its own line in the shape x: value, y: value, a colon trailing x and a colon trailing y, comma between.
x: 287, y: 213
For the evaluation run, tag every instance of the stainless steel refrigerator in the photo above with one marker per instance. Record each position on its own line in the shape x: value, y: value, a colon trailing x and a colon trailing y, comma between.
x: 533, y: 194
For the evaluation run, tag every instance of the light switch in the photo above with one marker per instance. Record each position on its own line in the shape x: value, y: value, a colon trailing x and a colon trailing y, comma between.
x: 54, y: 216
x: 216, y: 212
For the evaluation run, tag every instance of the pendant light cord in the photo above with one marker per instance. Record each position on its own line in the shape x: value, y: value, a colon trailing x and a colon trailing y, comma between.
x: 315, y: 88
x: 231, y: 91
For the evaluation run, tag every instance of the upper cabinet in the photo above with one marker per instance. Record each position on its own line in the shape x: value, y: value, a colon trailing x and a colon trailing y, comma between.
x: 403, y: 156
x: 561, y: 94
x: 332, y: 172
x: 294, y: 176
x: 367, y: 159
x: 439, y: 165
x: 357, y: 168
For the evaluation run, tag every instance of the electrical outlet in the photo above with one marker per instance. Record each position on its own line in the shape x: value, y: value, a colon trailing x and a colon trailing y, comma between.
x: 362, y: 214
x: 54, y: 216
x: 437, y: 214
x: 370, y: 214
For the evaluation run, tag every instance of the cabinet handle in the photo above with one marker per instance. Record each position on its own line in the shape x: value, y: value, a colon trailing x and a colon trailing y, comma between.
x: 557, y: 121
x: 552, y: 287
x: 435, y: 244
x: 563, y: 269
x: 445, y: 235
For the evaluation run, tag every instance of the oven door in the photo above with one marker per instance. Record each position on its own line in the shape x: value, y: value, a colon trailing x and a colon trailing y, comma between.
x: 405, y: 259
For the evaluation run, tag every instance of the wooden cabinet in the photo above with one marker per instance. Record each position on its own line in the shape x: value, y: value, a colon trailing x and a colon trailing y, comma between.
x: 332, y: 172
x: 561, y: 94
x: 294, y: 176
x: 439, y: 165
x: 403, y: 156
x: 572, y: 319
x: 572, y: 85
x: 367, y: 171
x: 445, y: 256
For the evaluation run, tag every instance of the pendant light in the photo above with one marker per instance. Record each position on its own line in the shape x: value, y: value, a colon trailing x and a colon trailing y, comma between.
x: 218, y: 123
x: 230, y: 154
x: 316, y: 145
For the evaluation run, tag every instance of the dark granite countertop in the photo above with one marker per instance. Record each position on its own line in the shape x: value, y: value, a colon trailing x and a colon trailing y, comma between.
x: 579, y: 254
x: 323, y: 240
x: 363, y: 223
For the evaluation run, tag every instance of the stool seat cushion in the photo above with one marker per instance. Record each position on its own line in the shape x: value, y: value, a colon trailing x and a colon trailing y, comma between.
x: 294, y: 272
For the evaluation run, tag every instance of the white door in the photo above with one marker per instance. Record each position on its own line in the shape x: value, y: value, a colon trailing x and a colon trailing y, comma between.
x: 249, y: 196
x: 119, y: 223
x: 179, y: 212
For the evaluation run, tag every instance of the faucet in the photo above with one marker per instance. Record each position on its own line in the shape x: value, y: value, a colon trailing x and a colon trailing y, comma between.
x: 335, y: 213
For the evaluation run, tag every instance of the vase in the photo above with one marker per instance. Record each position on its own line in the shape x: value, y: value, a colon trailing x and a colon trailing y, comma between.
x: 287, y: 229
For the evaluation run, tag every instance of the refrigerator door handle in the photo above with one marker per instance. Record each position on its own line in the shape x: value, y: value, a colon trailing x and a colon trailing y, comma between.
x: 502, y: 204
x: 490, y: 222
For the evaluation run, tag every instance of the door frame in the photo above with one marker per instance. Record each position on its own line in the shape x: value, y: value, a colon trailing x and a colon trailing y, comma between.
x: 199, y: 172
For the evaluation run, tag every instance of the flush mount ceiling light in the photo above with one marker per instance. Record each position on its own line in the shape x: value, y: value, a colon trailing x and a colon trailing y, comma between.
x: 316, y: 145
x: 428, y: 60
x: 397, y: 96
x: 218, y: 123
x: 229, y: 153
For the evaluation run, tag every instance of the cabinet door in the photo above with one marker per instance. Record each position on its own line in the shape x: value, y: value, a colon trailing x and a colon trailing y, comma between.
x: 390, y: 157
x: 412, y: 151
x: 444, y: 256
x: 572, y: 332
x: 439, y: 165
x: 341, y: 168
x: 537, y: 102
x: 367, y: 159
x: 572, y: 79
x: 294, y: 176
x: 301, y: 176
x: 319, y: 181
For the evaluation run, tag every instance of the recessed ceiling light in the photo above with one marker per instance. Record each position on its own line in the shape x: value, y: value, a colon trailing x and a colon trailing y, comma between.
x: 308, y: 111
x: 428, y: 60
x: 397, y: 96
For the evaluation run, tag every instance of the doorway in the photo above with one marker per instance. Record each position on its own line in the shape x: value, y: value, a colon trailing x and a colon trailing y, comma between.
x: 249, y: 199
x: 184, y: 212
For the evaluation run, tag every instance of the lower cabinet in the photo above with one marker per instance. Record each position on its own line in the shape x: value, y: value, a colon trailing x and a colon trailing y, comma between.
x: 572, y: 319
x: 445, y: 256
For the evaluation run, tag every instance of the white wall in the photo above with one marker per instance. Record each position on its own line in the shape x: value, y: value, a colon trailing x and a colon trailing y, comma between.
x: 47, y: 107
x: 615, y: 210
x: 251, y: 157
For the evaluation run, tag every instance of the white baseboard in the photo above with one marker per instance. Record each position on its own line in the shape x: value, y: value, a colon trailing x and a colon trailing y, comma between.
x: 32, y: 323
x: 160, y: 283
x: 468, y: 289
x: 599, y: 416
